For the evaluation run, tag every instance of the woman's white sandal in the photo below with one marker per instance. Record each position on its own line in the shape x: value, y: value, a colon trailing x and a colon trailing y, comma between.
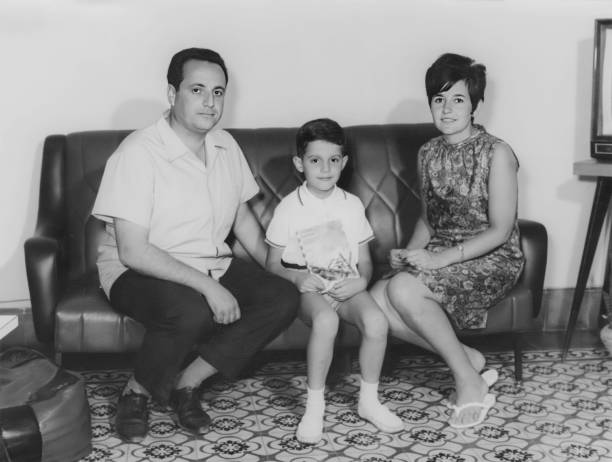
x: 487, y: 403
x: 490, y: 376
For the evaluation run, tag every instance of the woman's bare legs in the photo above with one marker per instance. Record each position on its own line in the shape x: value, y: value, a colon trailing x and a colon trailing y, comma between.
x: 362, y: 311
x: 316, y: 312
x: 399, y: 329
x: 415, y: 305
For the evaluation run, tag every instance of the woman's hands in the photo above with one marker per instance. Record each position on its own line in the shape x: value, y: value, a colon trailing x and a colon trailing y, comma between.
x: 419, y: 258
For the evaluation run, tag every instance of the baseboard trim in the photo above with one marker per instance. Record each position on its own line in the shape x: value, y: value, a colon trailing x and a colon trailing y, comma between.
x: 15, y: 305
x: 556, y: 305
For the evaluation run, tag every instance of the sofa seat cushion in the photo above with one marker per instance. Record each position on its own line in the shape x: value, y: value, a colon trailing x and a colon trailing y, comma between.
x: 513, y: 314
x: 86, y: 322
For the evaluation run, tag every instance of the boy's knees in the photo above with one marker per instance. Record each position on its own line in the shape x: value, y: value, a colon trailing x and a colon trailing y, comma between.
x: 375, y: 325
x: 326, y: 322
x: 327, y: 316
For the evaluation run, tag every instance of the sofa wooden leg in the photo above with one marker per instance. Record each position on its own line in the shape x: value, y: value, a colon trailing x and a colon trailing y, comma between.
x: 517, y: 340
x: 57, y: 356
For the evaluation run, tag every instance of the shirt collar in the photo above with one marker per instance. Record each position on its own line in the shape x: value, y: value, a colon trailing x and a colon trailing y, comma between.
x: 175, y: 147
x: 306, y: 197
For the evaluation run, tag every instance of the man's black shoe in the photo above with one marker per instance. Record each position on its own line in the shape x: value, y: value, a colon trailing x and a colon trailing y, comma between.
x: 189, y: 412
x: 132, y: 418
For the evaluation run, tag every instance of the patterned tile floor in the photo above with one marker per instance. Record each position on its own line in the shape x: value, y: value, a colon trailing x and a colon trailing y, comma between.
x: 561, y: 412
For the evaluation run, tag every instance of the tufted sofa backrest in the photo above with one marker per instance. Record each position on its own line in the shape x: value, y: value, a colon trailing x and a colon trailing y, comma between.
x: 85, y: 155
x: 381, y: 171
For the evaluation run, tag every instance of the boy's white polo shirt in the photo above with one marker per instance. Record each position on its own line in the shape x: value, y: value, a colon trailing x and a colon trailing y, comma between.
x: 300, y: 210
x: 154, y: 180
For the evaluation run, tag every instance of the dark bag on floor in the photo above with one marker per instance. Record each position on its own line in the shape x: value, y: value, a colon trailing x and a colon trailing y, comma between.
x: 44, y: 414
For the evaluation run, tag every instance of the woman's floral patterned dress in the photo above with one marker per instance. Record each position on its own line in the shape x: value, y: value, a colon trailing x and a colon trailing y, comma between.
x: 455, y: 187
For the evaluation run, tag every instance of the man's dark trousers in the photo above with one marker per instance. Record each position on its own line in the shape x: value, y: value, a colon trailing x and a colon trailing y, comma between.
x: 179, y: 321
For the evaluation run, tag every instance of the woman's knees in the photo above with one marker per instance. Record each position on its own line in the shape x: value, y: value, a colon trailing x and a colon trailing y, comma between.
x: 407, y: 294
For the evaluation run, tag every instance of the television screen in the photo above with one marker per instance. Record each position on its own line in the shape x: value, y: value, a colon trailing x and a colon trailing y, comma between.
x: 601, y: 119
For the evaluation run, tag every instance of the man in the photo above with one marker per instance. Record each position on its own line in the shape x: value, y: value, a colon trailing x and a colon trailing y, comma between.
x: 170, y: 195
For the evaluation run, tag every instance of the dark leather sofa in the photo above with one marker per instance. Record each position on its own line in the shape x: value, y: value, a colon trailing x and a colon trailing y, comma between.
x: 71, y: 312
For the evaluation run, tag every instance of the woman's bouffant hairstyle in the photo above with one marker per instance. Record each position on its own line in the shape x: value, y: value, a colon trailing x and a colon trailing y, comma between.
x: 175, y: 69
x: 451, y: 68
x: 320, y: 129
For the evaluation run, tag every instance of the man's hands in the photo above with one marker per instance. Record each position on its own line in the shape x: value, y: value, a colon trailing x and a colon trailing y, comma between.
x: 222, y: 303
x: 137, y: 253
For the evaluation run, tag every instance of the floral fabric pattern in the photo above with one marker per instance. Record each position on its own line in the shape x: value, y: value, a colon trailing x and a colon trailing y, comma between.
x: 455, y: 187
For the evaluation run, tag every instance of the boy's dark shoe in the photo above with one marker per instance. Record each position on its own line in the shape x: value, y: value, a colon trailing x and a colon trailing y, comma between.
x: 132, y: 418
x: 189, y: 412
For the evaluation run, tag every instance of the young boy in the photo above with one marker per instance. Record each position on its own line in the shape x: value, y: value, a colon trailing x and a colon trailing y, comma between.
x: 318, y: 239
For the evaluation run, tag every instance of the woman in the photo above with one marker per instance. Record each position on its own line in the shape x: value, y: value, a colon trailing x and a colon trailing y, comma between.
x: 464, y: 255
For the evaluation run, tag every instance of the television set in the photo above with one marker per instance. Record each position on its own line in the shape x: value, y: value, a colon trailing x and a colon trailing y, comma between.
x: 601, y: 116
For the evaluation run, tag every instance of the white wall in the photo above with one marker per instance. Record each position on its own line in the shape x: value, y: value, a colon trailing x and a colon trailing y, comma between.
x: 100, y: 64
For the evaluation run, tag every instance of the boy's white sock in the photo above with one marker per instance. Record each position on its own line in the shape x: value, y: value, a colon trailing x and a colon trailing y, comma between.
x: 371, y: 409
x: 310, y: 428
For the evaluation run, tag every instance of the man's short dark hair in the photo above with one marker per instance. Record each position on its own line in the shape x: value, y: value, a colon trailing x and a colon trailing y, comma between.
x: 451, y: 68
x: 175, y: 69
x: 320, y: 130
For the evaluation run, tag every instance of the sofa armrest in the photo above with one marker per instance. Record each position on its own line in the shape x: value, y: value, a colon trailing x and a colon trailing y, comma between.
x: 43, y: 251
x: 42, y: 254
x: 534, y: 243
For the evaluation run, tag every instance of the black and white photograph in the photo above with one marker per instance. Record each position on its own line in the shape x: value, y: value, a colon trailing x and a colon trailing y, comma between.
x: 306, y: 230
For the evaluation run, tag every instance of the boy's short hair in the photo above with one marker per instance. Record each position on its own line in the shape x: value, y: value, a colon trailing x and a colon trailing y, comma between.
x: 320, y: 130
x: 449, y: 69
x: 175, y: 69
